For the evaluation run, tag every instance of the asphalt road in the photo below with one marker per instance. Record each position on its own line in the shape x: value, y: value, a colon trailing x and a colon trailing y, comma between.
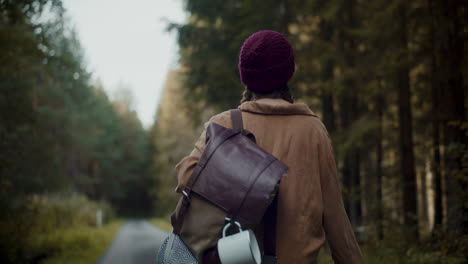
x: 136, y: 243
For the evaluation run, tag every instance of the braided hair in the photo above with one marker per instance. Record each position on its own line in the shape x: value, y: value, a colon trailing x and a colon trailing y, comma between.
x: 283, y: 93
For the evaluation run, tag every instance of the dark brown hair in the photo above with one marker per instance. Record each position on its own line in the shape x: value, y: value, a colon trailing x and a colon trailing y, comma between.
x: 283, y: 93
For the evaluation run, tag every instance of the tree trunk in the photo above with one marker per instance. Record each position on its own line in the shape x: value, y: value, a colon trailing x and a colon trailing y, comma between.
x: 326, y: 33
x: 408, y: 174
x: 452, y: 105
x: 435, y: 90
x: 328, y: 112
x: 350, y: 113
x: 356, y: 207
x: 351, y: 168
x: 422, y: 198
x: 380, y: 107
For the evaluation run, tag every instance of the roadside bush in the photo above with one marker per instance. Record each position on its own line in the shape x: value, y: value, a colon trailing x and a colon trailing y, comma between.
x: 32, y: 229
x: 438, y: 248
x: 441, y: 247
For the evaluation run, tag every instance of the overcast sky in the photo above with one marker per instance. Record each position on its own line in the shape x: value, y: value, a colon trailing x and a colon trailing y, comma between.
x: 126, y: 43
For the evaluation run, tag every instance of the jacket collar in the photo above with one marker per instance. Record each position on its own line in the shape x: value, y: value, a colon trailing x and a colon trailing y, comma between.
x: 268, y: 106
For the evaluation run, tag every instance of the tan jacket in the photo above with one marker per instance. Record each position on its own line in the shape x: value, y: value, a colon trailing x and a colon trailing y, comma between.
x: 310, y: 207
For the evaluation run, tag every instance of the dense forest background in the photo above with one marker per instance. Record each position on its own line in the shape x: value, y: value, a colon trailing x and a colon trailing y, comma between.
x: 66, y: 149
x: 388, y: 79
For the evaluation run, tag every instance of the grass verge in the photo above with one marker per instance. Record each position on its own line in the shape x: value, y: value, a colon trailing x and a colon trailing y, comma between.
x: 81, y: 244
x: 162, y: 223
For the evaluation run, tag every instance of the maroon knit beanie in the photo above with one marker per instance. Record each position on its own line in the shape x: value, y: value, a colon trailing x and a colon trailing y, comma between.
x: 266, y: 61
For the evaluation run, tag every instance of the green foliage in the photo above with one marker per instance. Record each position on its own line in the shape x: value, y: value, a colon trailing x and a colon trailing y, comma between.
x: 20, y: 136
x: 60, y: 133
x: 82, y: 244
x: 37, y: 227
x: 58, y: 130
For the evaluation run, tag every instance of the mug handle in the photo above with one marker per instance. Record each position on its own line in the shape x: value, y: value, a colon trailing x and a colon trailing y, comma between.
x: 228, y: 225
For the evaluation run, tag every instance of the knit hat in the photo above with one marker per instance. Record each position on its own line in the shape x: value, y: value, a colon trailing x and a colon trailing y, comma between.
x: 266, y: 61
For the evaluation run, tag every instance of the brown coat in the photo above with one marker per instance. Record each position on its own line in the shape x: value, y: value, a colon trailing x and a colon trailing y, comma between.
x: 310, y: 207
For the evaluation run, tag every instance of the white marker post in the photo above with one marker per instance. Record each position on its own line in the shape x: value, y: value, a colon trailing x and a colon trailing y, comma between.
x: 99, y: 217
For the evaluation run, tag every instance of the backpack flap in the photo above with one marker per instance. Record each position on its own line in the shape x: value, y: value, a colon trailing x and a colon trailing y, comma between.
x: 237, y: 175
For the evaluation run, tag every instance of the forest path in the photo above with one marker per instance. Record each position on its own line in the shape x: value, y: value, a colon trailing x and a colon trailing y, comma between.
x: 137, y: 242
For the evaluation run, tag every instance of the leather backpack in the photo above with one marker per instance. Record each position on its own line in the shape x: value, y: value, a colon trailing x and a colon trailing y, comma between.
x: 234, y: 180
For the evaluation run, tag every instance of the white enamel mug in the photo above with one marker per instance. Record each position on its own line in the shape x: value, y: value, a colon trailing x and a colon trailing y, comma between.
x: 239, y: 248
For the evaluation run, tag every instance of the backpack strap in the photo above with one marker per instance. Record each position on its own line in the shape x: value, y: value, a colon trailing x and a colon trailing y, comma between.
x: 269, y: 237
x: 269, y: 233
x: 236, y: 117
